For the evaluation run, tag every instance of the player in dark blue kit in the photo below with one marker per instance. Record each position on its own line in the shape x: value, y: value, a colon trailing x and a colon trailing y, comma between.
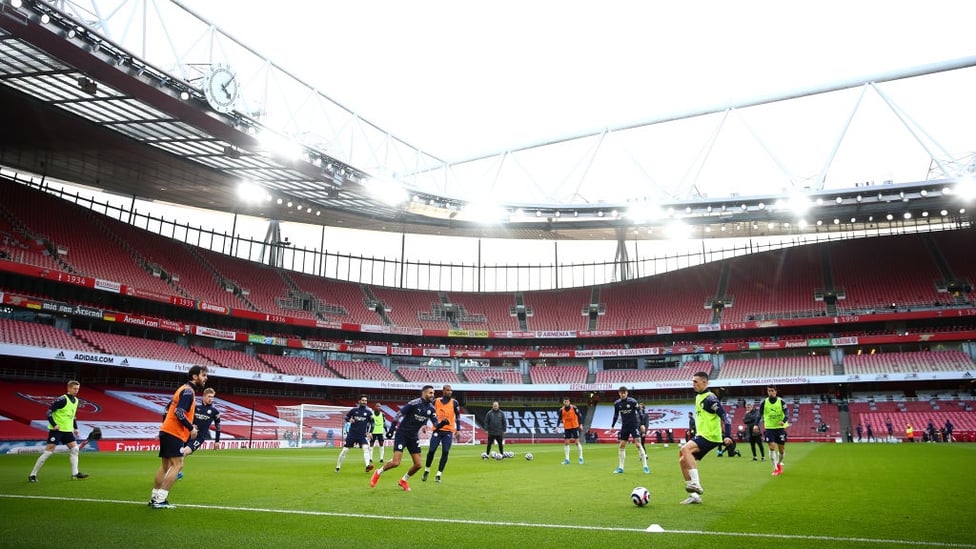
x: 204, y: 415
x: 632, y: 423
x: 360, y: 423
x: 405, y: 432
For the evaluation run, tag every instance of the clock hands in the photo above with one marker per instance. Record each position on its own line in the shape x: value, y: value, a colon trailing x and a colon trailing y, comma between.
x: 228, y: 83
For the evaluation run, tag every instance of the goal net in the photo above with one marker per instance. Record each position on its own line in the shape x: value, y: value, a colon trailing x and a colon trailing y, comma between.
x: 319, y: 425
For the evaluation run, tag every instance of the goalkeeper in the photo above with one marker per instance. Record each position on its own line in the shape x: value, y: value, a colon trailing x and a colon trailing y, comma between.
x: 405, y: 432
x: 204, y: 416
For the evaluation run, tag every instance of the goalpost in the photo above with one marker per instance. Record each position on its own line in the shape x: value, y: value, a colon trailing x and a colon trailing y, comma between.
x: 319, y: 425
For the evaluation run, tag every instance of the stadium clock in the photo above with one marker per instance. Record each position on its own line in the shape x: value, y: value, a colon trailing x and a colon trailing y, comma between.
x: 221, y: 88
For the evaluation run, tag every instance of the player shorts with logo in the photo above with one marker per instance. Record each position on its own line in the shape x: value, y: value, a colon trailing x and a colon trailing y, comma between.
x: 571, y: 433
x: 704, y: 446
x: 403, y: 442
x: 170, y: 446
x: 629, y: 431
x: 777, y: 436
x: 60, y: 437
x: 352, y: 442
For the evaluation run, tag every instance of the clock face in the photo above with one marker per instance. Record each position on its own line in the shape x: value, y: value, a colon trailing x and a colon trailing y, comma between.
x: 221, y: 88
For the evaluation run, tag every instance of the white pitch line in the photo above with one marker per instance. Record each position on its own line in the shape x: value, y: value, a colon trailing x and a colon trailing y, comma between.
x: 511, y: 523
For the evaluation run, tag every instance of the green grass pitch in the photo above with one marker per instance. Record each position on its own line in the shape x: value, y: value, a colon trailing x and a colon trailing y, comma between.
x: 831, y: 495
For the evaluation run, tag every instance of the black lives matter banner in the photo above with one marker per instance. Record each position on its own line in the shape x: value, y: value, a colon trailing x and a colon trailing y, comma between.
x: 526, y: 422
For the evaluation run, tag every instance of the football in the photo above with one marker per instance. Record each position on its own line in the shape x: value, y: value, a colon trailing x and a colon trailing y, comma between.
x: 528, y: 457
x: 640, y: 496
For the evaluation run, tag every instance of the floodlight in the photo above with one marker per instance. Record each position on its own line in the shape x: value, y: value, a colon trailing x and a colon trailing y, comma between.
x: 965, y: 188
x: 250, y: 192
x: 678, y: 230
x: 484, y: 212
x: 387, y: 190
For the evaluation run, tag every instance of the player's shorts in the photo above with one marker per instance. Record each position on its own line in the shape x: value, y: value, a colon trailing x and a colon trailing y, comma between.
x: 704, y: 446
x: 441, y: 438
x: 379, y: 438
x: 356, y: 440
x: 571, y: 433
x: 627, y: 432
x: 776, y: 436
x: 406, y: 443
x: 60, y: 437
x: 170, y: 446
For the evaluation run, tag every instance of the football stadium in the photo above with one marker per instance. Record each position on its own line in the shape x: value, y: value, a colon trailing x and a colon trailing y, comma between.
x: 741, y: 310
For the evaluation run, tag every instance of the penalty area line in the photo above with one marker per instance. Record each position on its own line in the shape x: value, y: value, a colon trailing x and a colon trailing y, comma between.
x: 516, y: 524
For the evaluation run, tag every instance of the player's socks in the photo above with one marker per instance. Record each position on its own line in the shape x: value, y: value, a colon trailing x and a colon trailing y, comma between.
x: 621, y: 457
x: 40, y: 461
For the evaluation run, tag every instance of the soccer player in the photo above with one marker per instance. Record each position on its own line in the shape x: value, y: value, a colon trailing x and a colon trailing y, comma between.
x: 449, y: 409
x: 359, y: 422
x: 379, y: 428
x: 774, y: 414
x: 62, y: 429
x: 204, y: 416
x: 626, y: 409
x: 645, y: 425
x: 570, y: 417
x: 713, y: 427
x: 405, y: 429
x: 177, y: 429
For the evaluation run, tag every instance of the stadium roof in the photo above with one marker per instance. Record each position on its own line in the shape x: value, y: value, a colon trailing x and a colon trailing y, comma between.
x: 99, y: 73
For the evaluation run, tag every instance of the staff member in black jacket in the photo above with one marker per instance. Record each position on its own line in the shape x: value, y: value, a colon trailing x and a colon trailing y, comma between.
x: 751, y: 421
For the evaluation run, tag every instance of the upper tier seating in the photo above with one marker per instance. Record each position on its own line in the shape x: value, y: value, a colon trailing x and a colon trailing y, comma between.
x: 264, y: 285
x: 340, y: 301
x: 557, y: 309
x: 92, y: 249
x: 873, y: 277
x: 496, y: 308
x: 774, y: 284
x: 405, y: 306
x: 668, y: 299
